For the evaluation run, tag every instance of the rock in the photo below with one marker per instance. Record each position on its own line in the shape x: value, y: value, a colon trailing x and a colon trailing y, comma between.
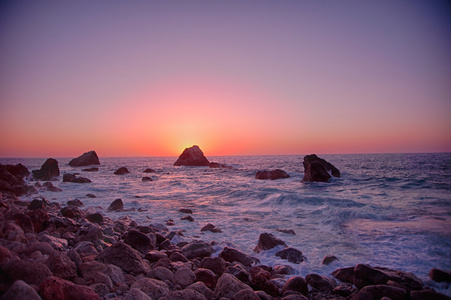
x: 116, y: 205
x: 273, y: 175
x: 91, y: 196
x: 89, y: 269
x: 216, y: 165
x: 427, y: 295
x: 94, y: 169
x: 61, y: 265
x: 192, y: 156
x: 146, y: 179
x: 48, y: 170
x: 216, y: 264
x: 125, y: 257
x: 297, y: 284
x: 100, y: 289
x: 344, y: 274
x: 29, y: 271
x: 155, y: 289
x: 154, y: 256
x: 121, y: 171
x: 317, y: 169
x: 73, y: 178
x: 184, y: 294
x: 136, y: 294
x: 48, y: 186
x: 245, y: 295
x: 58, y: 288
x: 208, y: 277
x: 114, y: 273
x: 187, y: 218
x: 211, y: 227
x: 321, y: 283
x: 268, y: 241
x: 328, y: 259
x: 100, y: 277
x: 201, y: 288
x: 239, y: 271
x: 379, y: 291
x: 149, y: 170
x: 287, y: 231
x: 228, y: 285
x: 5, y: 255
x: 36, y: 204
x: 186, y: 211
x: 161, y: 273
x: 86, y: 159
x: 259, y: 278
x: 20, y: 290
x: 291, y: 254
x: 197, y: 249
x: 139, y: 241
x: 24, y: 222
x: 231, y: 255
x: 440, y: 275
x: 176, y: 256
x: 184, y: 277
x: 283, y: 270
x: 75, y: 202
x: 95, y: 218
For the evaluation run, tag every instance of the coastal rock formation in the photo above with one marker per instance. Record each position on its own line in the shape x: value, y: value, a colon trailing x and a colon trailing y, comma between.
x: 75, y: 179
x: 12, y: 179
x: 116, y: 205
x: 317, y: 169
x: 192, y: 156
x: 268, y: 241
x: 86, y: 159
x: 121, y: 171
x: 48, y: 171
x: 272, y: 175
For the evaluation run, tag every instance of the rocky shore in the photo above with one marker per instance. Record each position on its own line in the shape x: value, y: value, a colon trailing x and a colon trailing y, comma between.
x: 53, y: 251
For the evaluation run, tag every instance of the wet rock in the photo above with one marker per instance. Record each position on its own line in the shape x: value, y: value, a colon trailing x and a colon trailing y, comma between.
x: 48, y: 171
x: 321, y: 283
x: 245, y: 295
x: 228, y: 285
x: 208, y: 277
x: 215, y: 264
x: 28, y: 271
x: 328, y: 259
x: 317, y: 169
x: 272, y: 175
x: 184, y: 277
x: 116, y: 205
x: 136, y: 294
x: 94, y: 169
x: 380, y: 290
x: 268, y: 241
x: 86, y: 159
x: 155, y: 289
x: 121, y: 171
x: 61, y: 265
x: 440, y: 275
x: 125, y: 257
x: 344, y: 274
x: 231, y: 255
x: 58, y: 288
x: 192, y: 156
x: 75, y: 202
x: 20, y: 290
x: 291, y: 254
x: 36, y: 204
x: 95, y: 218
x: 201, y: 288
x: 211, y: 227
x: 287, y: 231
x: 239, y: 271
x: 48, y: 186
x: 216, y: 165
x: 188, y: 218
x: 197, y: 249
x: 148, y: 170
x: 176, y: 256
x: 154, y: 256
x: 74, y: 179
x: 139, y: 241
x: 259, y: 278
x: 144, y: 179
x: 283, y: 270
x: 427, y: 295
x: 297, y: 284
x: 186, y: 211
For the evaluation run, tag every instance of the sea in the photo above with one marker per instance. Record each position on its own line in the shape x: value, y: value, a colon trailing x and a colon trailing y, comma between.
x: 388, y: 210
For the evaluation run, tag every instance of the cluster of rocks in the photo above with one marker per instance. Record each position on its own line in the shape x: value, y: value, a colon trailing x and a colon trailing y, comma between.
x: 49, y: 252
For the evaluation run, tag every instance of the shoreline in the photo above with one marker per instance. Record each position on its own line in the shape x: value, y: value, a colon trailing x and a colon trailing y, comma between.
x: 69, y: 246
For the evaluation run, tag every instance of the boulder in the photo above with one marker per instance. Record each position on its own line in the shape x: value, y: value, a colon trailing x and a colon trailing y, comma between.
x: 272, y: 175
x: 427, y: 295
x: 215, y: 165
x: 317, y: 169
x: 291, y: 254
x: 192, y: 156
x: 161, y: 273
x: 268, y: 241
x: 145, y: 178
x: 75, y: 202
x: 61, y: 265
x: 12, y: 179
x: 86, y: 159
x: 184, y: 277
x: 197, y: 249
x: 231, y: 255
x: 155, y: 289
x: 125, y: 257
x: 297, y: 284
x: 48, y: 170
x: 73, y: 178
x: 321, y: 283
x: 116, y: 205
x: 148, y: 170
x: 208, y: 277
x: 201, y: 288
x: 29, y: 271
x: 211, y: 227
x: 440, y: 275
x: 121, y: 171
x: 139, y: 241
x: 216, y: 264
x: 20, y: 290
x: 94, y: 169
x: 184, y: 294
x: 381, y: 290
x: 228, y: 285
x: 136, y: 294
x: 48, y: 186
x: 58, y: 288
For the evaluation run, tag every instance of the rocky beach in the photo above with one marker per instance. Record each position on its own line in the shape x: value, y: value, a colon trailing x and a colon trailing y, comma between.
x: 54, y: 250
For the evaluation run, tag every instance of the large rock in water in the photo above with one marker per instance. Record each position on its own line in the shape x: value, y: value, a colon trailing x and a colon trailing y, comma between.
x: 48, y: 170
x: 273, y: 175
x: 192, y: 156
x: 86, y: 159
x: 317, y: 169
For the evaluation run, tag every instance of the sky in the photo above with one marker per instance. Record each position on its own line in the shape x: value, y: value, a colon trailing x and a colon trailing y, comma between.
x: 149, y: 78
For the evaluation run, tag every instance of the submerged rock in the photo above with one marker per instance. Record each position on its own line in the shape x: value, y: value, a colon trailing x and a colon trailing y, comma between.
x: 86, y: 159
x: 192, y: 156
x: 272, y: 175
x: 116, y: 205
x: 121, y: 171
x: 317, y: 169
x: 73, y: 178
x: 268, y: 241
x: 48, y: 170
x: 291, y: 254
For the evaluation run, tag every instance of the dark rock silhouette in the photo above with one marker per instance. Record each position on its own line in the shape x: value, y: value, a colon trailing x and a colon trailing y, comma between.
x: 192, y: 156
x: 273, y: 175
x: 216, y: 165
x: 149, y: 170
x: 317, y: 169
x: 73, y: 178
x: 94, y: 169
x: 121, y: 171
x: 48, y: 170
x: 12, y: 179
x: 86, y: 159
x: 116, y: 205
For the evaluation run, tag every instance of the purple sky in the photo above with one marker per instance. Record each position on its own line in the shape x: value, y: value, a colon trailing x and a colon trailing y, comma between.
x: 149, y: 78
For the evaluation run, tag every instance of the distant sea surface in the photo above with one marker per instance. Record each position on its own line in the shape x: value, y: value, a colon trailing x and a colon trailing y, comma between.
x: 390, y: 210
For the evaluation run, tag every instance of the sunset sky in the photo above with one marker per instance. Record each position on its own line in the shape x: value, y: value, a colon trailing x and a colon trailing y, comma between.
x: 149, y: 78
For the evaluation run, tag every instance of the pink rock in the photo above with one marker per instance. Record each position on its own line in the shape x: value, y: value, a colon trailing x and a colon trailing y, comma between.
x: 125, y: 257
x: 228, y: 285
x: 48, y: 170
x: 268, y: 241
x: 86, y: 159
x: 28, y: 271
x: 61, y: 265
x: 20, y: 290
x: 192, y: 156
x: 184, y: 277
x: 54, y: 288
x: 156, y: 289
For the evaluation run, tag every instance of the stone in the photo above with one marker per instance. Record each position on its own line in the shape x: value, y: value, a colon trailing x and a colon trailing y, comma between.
x: 139, y: 241
x: 125, y: 257
x: 215, y: 165
x: 192, y: 156
x: 58, y: 288
x: 381, y: 290
x: 20, y: 290
x: 48, y: 171
x: 231, y: 255
x: 272, y: 175
x: 328, y: 259
x: 74, y: 179
x: 100, y: 289
x: 287, y: 231
x: 184, y: 294
x: 268, y: 241
x: 24, y: 222
x: 197, y: 249
x: 321, y: 283
x: 85, y: 248
x: 427, y: 295
x: 136, y: 294
x: 440, y: 275
x: 86, y: 159
x: 161, y: 273
x: 155, y: 289
x: 188, y: 218
x: 344, y: 274
x: 95, y: 218
x: 245, y: 295
x: 121, y: 171
x: 228, y: 285
x: 297, y: 284
x: 283, y: 270
x: 75, y: 202
x: 176, y: 256
x: 208, y: 277
x: 148, y: 170
x: 317, y: 169
x: 94, y: 169
x: 291, y: 254
x: 116, y: 205
x: 29, y: 271
x: 239, y: 271
x: 61, y: 265
x: 201, y: 288
x: 184, y: 277
x: 48, y: 186
x: 36, y: 204
x: 155, y: 255
x: 89, y: 269
x: 144, y: 179
x: 114, y: 273
x: 186, y: 211
x: 5, y: 255
x: 216, y: 264
x: 211, y: 227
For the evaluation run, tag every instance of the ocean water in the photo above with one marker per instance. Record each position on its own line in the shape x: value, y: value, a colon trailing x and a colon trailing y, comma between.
x: 390, y: 210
